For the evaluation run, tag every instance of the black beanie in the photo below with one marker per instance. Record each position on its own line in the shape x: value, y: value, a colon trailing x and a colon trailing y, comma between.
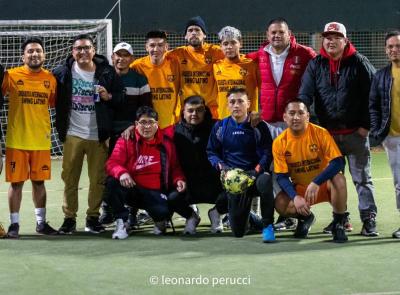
x: 196, y: 21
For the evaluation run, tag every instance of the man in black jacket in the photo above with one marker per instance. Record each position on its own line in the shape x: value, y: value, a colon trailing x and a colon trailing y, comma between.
x: 338, y: 82
x: 87, y: 90
x: 384, y: 107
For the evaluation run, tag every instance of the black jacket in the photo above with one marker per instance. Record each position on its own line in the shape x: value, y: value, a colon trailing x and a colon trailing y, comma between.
x: 107, y: 77
x: 379, y: 103
x: 341, y: 106
x: 203, y: 182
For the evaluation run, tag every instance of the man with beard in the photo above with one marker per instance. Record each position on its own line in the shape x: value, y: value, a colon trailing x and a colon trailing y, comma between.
x: 196, y: 64
x: 31, y: 90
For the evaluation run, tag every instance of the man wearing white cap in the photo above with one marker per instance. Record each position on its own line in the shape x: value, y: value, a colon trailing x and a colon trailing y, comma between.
x: 338, y: 80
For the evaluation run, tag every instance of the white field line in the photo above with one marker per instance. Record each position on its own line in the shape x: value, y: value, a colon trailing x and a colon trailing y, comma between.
x: 378, y: 293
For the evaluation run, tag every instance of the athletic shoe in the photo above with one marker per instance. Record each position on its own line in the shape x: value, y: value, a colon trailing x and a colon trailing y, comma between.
x: 303, y: 226
x: 13, y: 231
x: 45, y: 229
x: 339, y: 233
x: 396, y: 234
x: 215, y: 221
x: 106, y: 217
x: 191, y: 223
x: 268, y: 235
x: 285, y: 224
x: 93, y: 225
x: 347, y: 225
x: 2, y: 231
x: 68, y: 226
x: 369, y: 227
x: 120, y: 232
x: 159, y: 228
x: 225, y: 221
x: 144, y: 218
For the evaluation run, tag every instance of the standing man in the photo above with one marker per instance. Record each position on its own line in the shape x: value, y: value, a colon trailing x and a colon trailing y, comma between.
x: 31, y: 90
x: 163, y: 75
x: 2, y: 231
x: 88, y: 87
x: 234, y: 70
x: 234, y: 143
x: 338, y: 80
x: 196, y: 64
x: 308, y: 164
x: 384, y: 108
x: 282, y: 61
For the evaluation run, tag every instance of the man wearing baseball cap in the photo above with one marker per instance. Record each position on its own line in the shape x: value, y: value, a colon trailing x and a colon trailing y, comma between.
x: 137, y: 94
x: 338, y: 80
x: 196, y: 64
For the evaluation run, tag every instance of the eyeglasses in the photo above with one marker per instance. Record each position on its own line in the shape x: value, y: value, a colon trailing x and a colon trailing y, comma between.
x: 84, y: 48
x: 234, y: 101
x: 197, y: 110
x: 145, y: 123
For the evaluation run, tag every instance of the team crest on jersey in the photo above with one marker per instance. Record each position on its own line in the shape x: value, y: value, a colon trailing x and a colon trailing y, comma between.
x: 46, y: 83
x: 20, y: 82
x: 45, y: 168
x: 313, y: 147
x: 243, y: 72
x: 171, y: 78
x: 218, y: 72
x: 184, y: 61
x: 288, y: 154
x: 208, y: 59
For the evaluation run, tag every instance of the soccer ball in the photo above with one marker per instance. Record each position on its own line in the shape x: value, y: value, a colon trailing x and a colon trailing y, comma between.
x: 236, y: 181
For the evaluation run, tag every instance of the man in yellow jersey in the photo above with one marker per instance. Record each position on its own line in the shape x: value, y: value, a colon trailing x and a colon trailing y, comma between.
x: 163, y: 75
x: 30, y: 90
x: 384, y: 108
x: 2, y: 231
x: 196, y: 64
x: 308, y: 165
x: 235, y: 70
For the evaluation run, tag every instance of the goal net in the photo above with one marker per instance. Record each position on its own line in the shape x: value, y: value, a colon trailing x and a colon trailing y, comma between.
x: 57, y: 38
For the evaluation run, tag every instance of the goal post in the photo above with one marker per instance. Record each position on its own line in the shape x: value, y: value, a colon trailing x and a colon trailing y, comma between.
x: 57, y: 36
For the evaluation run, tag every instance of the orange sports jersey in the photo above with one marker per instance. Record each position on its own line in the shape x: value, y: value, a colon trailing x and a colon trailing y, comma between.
x: 304, y: 157
x: 29, y: 94
x: 164, y: 82
x: 243, y: 73
x: 197, y: 71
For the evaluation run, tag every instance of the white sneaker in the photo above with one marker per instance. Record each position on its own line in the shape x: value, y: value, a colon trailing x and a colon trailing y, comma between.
x: 159, y: 228
x: 216, y: 221
x: 191, y: 223
x: 120, y: 232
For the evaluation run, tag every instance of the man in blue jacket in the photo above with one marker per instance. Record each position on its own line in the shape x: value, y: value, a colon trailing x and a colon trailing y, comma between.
x: 384, y: 108
x: 234, y: 143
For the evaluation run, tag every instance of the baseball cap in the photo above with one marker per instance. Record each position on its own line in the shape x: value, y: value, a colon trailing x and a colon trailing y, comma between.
x: 334, y: 27
x: 125, y: 46
x: 196, y: 21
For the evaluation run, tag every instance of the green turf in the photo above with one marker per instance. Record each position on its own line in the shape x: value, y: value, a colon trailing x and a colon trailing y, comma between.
x: 88, y: 264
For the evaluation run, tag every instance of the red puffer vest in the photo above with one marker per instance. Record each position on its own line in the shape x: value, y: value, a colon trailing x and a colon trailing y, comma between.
x: 273, y: 97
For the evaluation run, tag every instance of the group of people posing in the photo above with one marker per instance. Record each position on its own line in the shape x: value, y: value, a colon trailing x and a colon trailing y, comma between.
x: 210, y: 125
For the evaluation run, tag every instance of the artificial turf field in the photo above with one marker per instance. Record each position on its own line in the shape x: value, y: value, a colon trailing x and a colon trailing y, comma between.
x: 174, y: 264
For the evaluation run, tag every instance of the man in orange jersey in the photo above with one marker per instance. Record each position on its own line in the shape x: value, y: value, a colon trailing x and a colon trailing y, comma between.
x: 196, y: 64
x: 234, y: 70
x: 163, y: 75
x: 30, y: 90
x: 308, y: 166
x: 2, y: 231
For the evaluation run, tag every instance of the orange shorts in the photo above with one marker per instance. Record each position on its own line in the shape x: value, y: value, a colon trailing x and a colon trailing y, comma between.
x: 324, y: 194
x: 22, y: 165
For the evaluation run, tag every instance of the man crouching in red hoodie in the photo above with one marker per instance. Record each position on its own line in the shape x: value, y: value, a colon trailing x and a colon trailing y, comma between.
x: 144, y: 170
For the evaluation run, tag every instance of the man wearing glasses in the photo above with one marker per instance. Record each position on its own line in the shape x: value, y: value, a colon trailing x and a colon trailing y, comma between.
x: 87, y: 88
x: 145, y: 173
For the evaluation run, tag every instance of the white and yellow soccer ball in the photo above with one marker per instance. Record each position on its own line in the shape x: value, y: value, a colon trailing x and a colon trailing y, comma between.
x: 236, y: 181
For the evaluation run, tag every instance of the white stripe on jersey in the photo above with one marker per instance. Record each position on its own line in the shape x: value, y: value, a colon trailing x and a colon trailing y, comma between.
x: 136, y: 90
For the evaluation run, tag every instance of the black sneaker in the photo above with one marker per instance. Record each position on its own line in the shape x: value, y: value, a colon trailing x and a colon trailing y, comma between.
x: 13, y: 231
x: 369, y: 227
x: 396, y: 234
x: 143, y: 218
x: 303, y: 226
x: 94, y: 226
x: 106, y: 217
x: 285, y: 224
x: 339, y: 233
x: 45, y: 229
x: 347, y: 225
x: 68, y: 226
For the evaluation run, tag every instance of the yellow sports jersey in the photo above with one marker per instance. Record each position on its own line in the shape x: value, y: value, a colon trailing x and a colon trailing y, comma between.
x: 395, y: 104
x: 228, y: 74
x: 197, y: 72
x: 164, y: 82
x: 29, y: 95
x: 304, y: 157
